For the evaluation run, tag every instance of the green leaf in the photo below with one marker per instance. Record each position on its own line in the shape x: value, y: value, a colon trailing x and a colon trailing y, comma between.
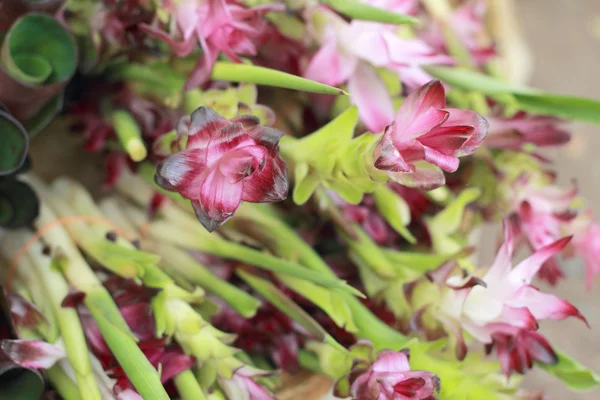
x: 572, y: 373
x: 38, y: 50
x: 305, y: 183
x: 575, y: 108
x: 527, y: 99
x: 14, y: 143
x: 19, y: 205
x: 225, y: 71
x: 357, y: 10
x: 395, y: 210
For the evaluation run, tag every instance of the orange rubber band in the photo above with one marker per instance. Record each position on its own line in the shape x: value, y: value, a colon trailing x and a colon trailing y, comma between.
x: 94, y: 219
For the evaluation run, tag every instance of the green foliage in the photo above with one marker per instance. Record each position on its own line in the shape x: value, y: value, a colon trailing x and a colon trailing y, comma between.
x: 527, y: 99
x: 572, y: 373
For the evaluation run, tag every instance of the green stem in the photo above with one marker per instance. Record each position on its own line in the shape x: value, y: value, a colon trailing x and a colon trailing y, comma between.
x: 309, y: 361
x: 186, y: 266
x: 188, y: 387
x: 129, y: 134
x: 105, y: 312
x: 64, y: 385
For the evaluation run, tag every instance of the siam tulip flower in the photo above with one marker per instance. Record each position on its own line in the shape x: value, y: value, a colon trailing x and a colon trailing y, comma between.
x: 224, y: 163
x: 425, y: 130
x: 518, y: 348
x: 504, y: 296
x: 351, y: 52
x: 521, y: 129
x: 217, y: 25
x: 390, y: 378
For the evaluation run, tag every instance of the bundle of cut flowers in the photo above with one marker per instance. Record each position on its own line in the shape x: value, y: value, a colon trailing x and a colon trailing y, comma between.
x: 290, y: 185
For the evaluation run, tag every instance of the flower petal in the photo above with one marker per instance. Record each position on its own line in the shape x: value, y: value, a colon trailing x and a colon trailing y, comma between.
x: 526, y: 269
x: 544, y: 305
x: 422, y: 110
x: 330, y: 65
x: 269, y: 184
x: 218, y: 200
x: 369, y: 93
x: 391, y: 361
x: 465, y: 118
x: 203, y: 125
x: 425, y: 176
x: 34, y: 354
x: 183, y: 172
x: 387, y: 157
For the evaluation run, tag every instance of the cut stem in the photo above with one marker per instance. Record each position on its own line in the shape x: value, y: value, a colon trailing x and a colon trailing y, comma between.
x: 188, y: 387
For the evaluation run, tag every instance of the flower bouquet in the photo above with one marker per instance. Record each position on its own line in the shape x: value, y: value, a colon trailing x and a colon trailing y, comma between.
x: 292, y: 188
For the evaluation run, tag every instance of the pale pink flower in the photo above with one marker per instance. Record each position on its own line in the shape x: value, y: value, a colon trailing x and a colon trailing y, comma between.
x: 390, y: 378
x: 587, y: 245
x: 425, y: 130
x: 224, y: 163
x: 350, y: 51
x: 217, y: 25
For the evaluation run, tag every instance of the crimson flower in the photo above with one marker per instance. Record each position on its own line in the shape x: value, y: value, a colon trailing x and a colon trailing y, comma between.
x: 269, y: 332
x: 513, y: 133
x: 390, y: 378
x: 218, y: 25
x: 518, y: 348
x: 425, y: 130
x: 224, y: 163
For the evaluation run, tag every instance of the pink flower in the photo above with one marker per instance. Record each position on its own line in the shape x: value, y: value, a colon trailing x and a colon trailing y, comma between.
x: 390, y: 378
x: 218, y: 25
x: 425, y: 130
x: 224, y: 163
x: 468, y: 23
x: 513, y: 133
x: 349, y: 53
x: 517, y: 348
x: 33, y: 354
x: 587, y: 245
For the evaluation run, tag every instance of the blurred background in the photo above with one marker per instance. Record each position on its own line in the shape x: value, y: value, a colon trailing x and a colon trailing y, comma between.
x: 563, y: 37
x: 563, y: 40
